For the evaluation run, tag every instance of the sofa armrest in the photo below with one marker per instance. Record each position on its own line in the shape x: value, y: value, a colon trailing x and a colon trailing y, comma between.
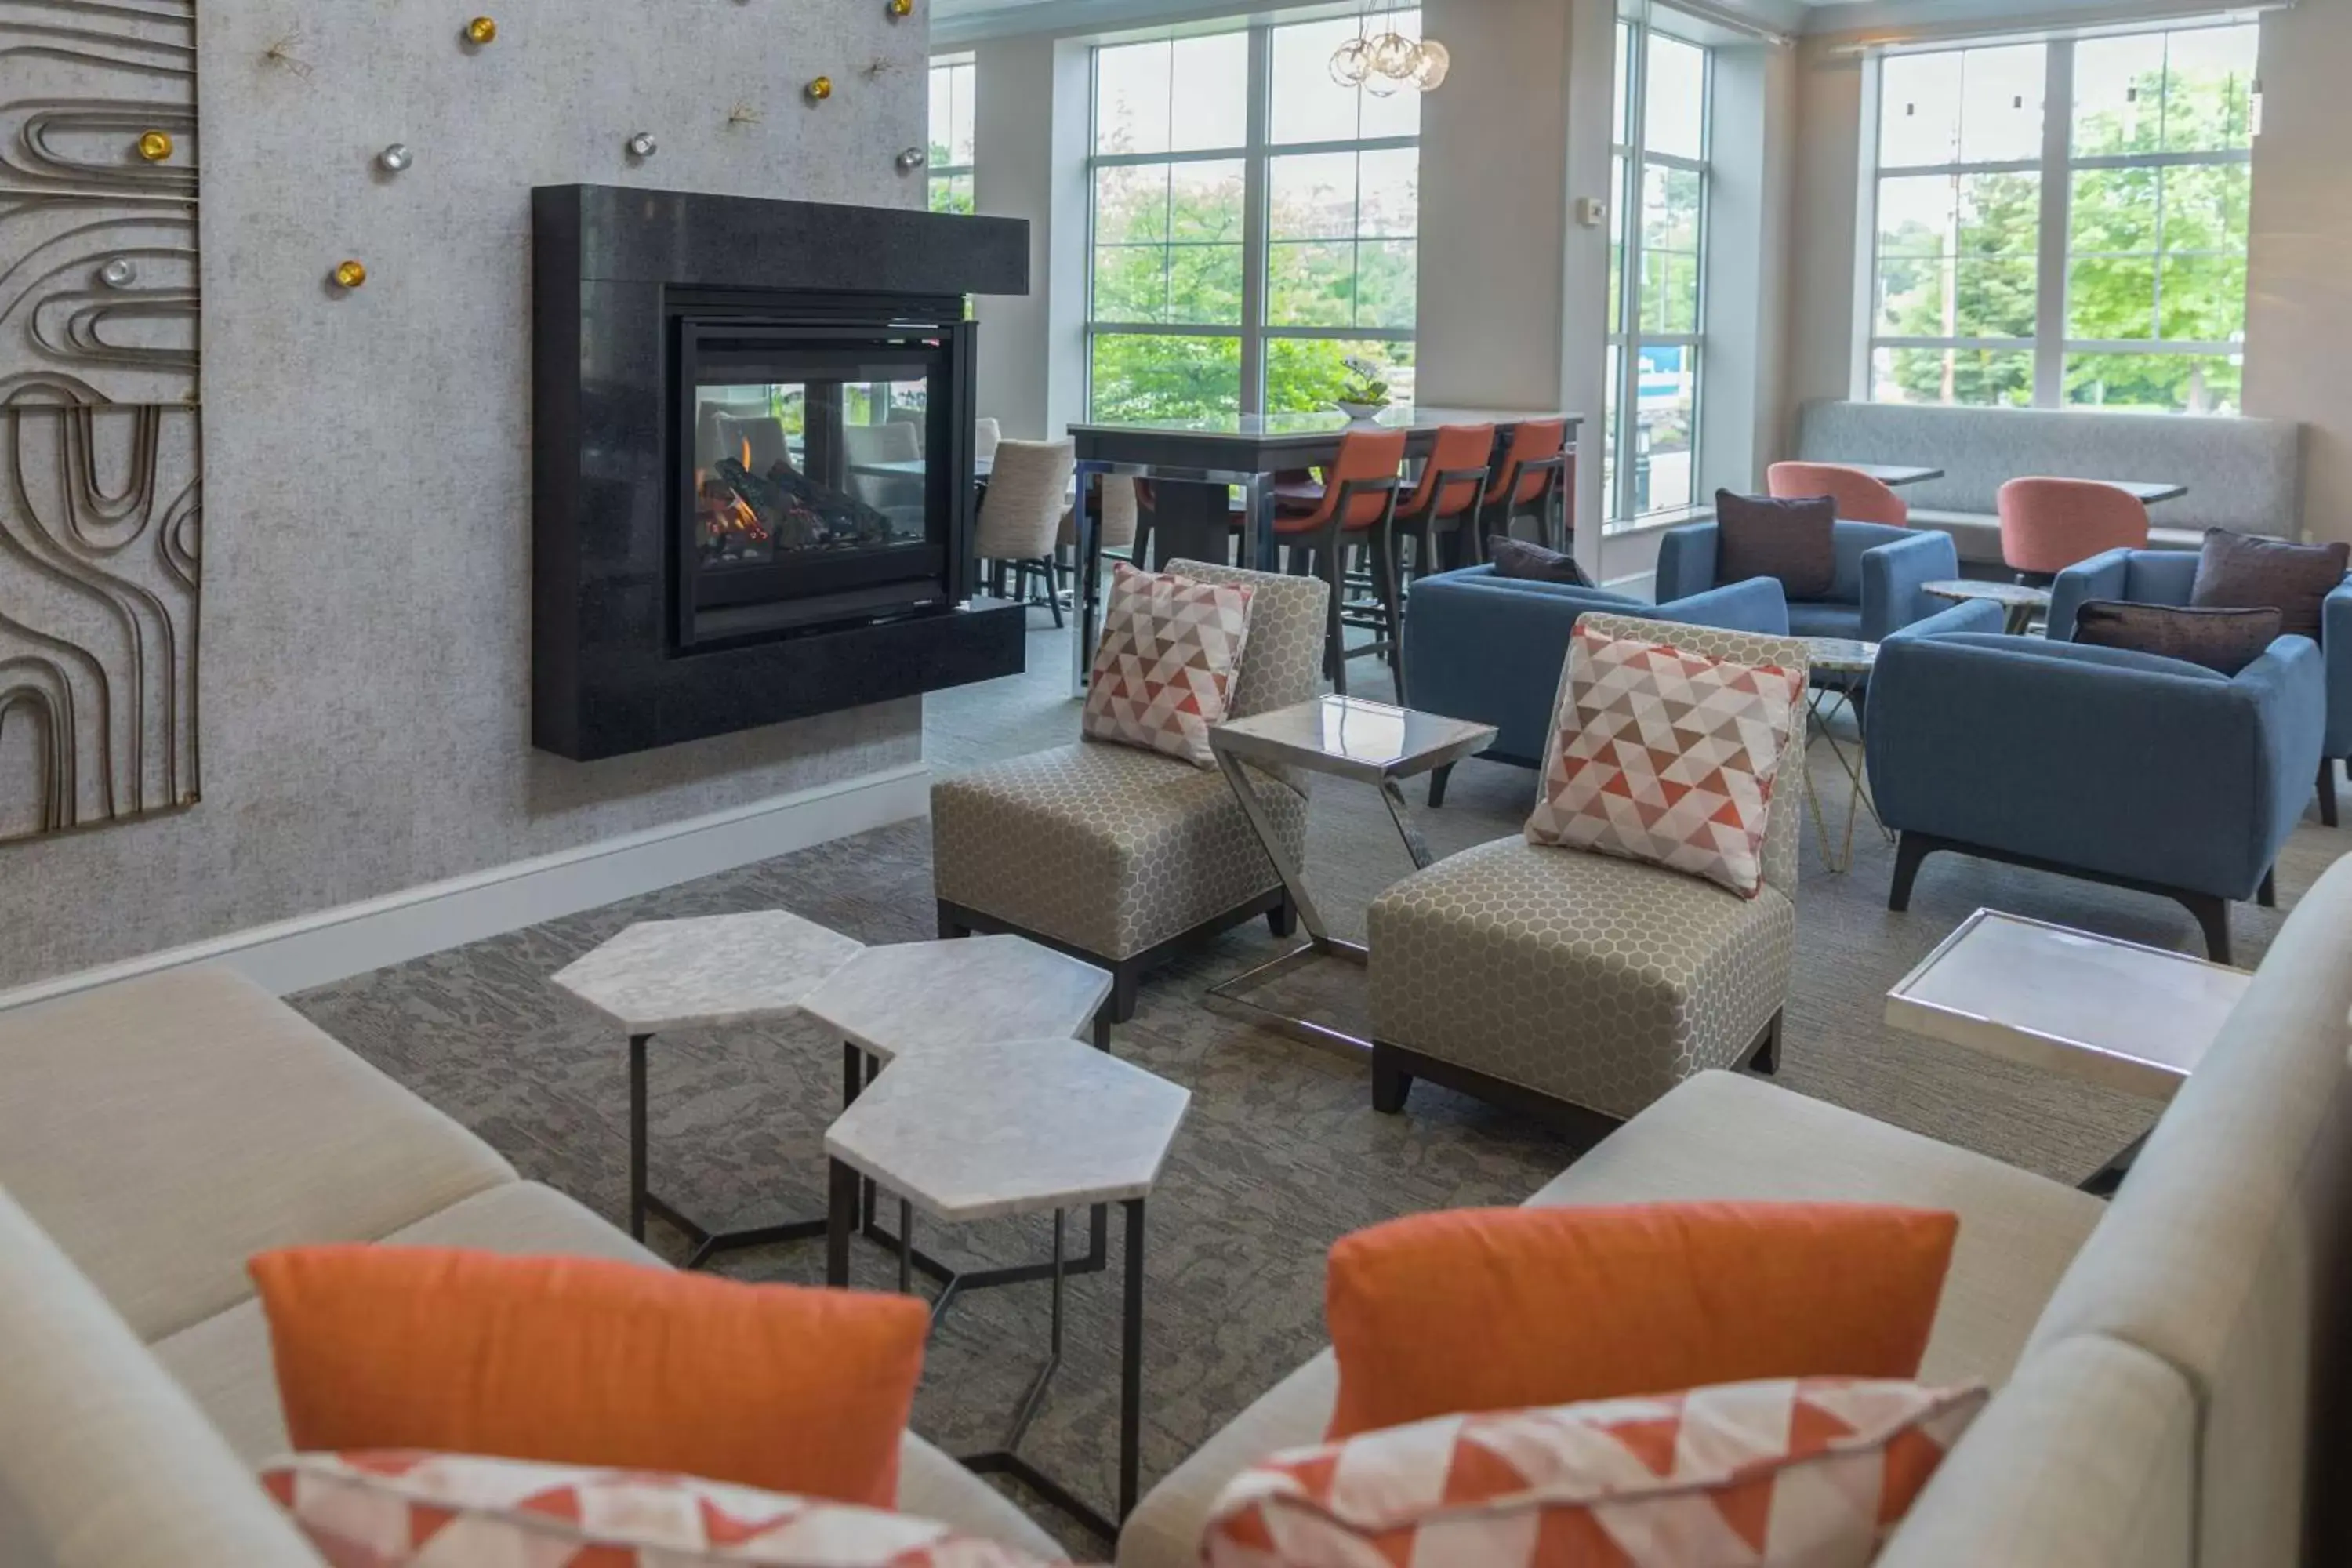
x: 1490, y: 650
x: 1757, y: 605
x: 2102, y: 576
x: 2288, y: 687
x: 1687, y: 558
x: 1890, y: 578
x: 2126, y: 764
x: 2336, y: 645
x: 1980, y: 616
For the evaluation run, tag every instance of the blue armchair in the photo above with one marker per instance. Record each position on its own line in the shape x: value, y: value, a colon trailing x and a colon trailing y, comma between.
x: 2111, y: 765
x: 2165, y: 577
x: 1879, y: 572
x: 1491, y: 649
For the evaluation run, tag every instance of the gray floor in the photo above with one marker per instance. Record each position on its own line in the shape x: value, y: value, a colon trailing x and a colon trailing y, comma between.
x: 1282, y: 1153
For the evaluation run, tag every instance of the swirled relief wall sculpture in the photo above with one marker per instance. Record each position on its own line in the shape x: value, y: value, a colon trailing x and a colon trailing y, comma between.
x: 99, y: 440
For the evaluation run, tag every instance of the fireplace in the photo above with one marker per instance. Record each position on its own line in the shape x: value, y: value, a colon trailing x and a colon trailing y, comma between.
x: 752, y: 476
x: 823, y: 462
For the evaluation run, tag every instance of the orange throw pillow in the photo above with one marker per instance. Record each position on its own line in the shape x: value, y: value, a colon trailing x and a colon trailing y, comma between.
x: 1474, y: 1309
x: 582, y: 1362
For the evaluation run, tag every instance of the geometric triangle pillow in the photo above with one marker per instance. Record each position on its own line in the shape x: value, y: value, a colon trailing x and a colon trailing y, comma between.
x: 391, y: 1510
x: 1790, y: 1473
x: 1164, y: 671
x: 1668, y: 756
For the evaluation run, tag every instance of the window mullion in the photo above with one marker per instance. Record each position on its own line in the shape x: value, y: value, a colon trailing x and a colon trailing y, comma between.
x: 1255, y: 221
x: 1629, y: 298
x: 2057, y: 216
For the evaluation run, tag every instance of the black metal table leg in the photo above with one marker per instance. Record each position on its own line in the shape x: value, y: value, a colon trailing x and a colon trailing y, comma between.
x: 1007, y: 1460
x: 842, y: 1221
x: 706, y: 1243
x: 2108, y: 1179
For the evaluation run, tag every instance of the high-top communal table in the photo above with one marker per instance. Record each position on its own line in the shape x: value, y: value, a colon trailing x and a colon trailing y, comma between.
x: 1193, y: 462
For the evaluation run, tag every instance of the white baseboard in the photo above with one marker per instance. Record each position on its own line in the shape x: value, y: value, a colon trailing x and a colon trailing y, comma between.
x: 333, y: 945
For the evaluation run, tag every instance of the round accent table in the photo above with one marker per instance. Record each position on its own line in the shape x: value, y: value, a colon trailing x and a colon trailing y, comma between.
x: 2019, y: 605
x: 1841, y: 677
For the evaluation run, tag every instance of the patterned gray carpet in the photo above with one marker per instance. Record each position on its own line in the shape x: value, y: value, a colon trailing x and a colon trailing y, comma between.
x: 1282, y: 1152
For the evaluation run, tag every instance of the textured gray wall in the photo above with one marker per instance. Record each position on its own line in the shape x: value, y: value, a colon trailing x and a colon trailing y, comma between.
x: 367, y: 516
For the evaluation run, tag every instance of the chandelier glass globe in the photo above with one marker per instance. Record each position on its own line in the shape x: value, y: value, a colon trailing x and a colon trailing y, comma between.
x: 1352, y: 62
x: 1431, y: 63
x: 1392, y: 56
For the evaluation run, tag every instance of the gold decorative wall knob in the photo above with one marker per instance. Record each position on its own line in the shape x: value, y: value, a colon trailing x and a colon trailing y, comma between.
x: 898, y: 8
x: 349, y: 274
x: 482, y: 30
x: 820, y: 89
x: 155, y: 146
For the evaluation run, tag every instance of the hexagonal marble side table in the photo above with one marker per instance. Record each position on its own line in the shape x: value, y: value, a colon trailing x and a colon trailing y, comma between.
x: 720, y: 969
x: 950, y: 995
x: 986, y: 1131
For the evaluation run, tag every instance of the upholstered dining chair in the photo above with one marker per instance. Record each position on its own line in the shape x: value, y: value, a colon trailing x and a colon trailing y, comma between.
x: 987, y: 434
x: 1453, y: 477
x: 1125, y: 857
x: 1357, y: 507
x: 1860, y: 497
x: 2048, y: 525
x: 1534, y: 479
x: 1582, y: 986
x: 1020, y: 519
x: 1119, y: 513
x: 867, y: 446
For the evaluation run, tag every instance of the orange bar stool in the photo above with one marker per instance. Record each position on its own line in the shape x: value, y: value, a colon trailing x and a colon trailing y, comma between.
x: 1359, y: 506
x: 2048, y: 525
x: 1860, y: 497
x: 1453, y: 477
x: 1531, y: 479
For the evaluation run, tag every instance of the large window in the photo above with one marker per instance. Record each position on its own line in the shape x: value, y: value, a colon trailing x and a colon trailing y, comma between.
x: 1657, y: 266
x: 952, y: 119
x: 1254, y: 225
x: 2063, y: 223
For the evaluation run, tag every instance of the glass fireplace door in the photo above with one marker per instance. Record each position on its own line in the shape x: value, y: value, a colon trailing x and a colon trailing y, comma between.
x: 819, y: 478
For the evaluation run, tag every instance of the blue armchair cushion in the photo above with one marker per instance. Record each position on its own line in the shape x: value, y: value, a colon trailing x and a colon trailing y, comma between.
x: 1824, y: 618
x: 1517, y: 560
x: 1794, y: 540
x: 2241, y: 572
x: 2223, y: 640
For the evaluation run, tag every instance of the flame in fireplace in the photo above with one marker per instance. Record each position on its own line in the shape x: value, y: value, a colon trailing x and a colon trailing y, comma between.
x: 747, y: 453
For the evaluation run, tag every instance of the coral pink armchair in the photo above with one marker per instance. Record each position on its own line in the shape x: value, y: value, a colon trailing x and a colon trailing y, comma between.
x: 1860, y: 498
x: 2048, y: 525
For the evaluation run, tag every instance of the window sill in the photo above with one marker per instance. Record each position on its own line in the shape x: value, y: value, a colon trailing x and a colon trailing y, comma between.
x: 1653, y: 523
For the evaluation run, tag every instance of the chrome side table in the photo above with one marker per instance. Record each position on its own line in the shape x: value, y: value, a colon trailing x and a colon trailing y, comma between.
x: 1347, y: 738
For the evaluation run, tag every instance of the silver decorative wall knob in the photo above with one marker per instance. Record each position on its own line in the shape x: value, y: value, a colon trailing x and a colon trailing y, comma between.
x: 912, y: 159
x: 643, y: 145
x: 119, y: 272
x: 395, y: 159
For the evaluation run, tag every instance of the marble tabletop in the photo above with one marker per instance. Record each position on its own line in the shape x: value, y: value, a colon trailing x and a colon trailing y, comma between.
x: 1352, y: 737
x: 1998, y: 593
x: 719, y: 968
x: 1841, y: 656
x: 1016, y: 1127
x: 925, y: 995
x: 2137, y: 1019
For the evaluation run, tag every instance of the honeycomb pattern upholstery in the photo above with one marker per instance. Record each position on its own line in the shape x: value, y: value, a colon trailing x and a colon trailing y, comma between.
x: 1586, y: 979
x: 1113, y: 850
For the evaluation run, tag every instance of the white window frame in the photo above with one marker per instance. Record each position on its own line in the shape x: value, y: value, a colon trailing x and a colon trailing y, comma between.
x: 2056, y: 165
x: 1628, y: 340
x: 1255, y: 154
x: 939, y: 173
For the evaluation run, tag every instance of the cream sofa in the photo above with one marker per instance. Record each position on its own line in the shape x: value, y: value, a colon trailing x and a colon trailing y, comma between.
x: 154, y: 1135
x: 2168, y: 1366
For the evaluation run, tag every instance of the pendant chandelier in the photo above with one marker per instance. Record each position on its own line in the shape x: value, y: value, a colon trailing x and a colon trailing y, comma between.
x: 1388, y: 62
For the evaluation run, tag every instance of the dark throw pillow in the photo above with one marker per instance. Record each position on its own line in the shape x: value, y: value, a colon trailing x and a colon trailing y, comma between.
x: 2237, y: 571
x: 2220, y: 639
x: 1794, y: 540
x: 1533, y: 564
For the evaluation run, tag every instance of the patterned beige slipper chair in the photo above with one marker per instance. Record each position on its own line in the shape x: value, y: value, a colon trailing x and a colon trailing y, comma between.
x: 1123, y: 856
x: 1579, y: 986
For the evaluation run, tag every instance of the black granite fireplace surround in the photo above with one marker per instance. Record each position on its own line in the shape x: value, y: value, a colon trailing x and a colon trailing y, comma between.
x: 753, y: 491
